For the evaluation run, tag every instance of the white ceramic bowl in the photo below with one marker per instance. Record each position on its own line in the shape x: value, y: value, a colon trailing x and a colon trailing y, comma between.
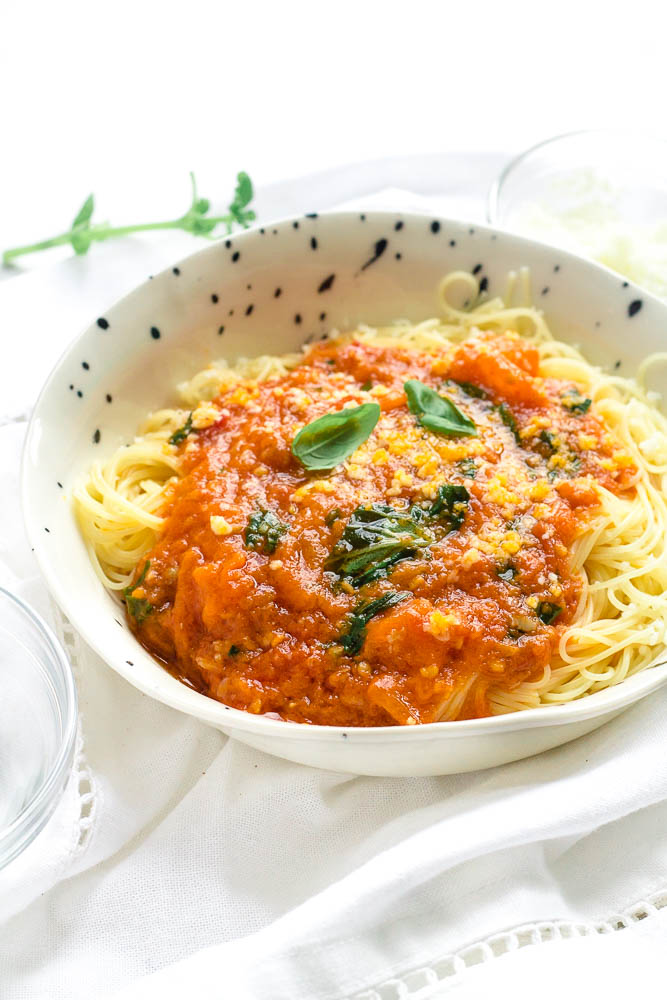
x: 334, y: 270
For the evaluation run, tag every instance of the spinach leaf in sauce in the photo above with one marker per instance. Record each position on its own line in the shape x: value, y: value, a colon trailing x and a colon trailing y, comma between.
x: 509, y: 420
x: 353, y: 639
x: 264, y: 531
x: 329, y: 440
x: 548, y: 612
x: 377, y: 537
x: 451, y: 503
x: 573, y: 401
x: 468, y: 467
x: 180, y: 435
x: 472, y: 390
x: 374, y: 539
x: 138, y: 607
x: 435, y: 412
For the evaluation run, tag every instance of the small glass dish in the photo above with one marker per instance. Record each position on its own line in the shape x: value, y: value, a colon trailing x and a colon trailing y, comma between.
x: 38, y: 719
x: 601, y: 194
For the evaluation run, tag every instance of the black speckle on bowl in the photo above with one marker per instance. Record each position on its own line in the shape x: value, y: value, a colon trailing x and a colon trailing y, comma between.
x: 249, y: 309
x: 103, y: 323
x: 634, y: 307
x: 155, y: 333
x: 378, y: 249
x: 435, y: 226
x: 326, y: 284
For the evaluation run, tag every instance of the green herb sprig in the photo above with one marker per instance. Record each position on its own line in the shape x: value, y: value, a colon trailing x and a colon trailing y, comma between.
x: 83, y: 232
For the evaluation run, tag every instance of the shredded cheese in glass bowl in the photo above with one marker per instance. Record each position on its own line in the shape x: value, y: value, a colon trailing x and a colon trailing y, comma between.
x: 601, y: 194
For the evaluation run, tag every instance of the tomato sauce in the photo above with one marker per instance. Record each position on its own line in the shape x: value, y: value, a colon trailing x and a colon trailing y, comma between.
x: 268, y: 627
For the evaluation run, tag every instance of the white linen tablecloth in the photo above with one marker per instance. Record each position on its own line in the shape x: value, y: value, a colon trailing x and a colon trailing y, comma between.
x: 181, y: 862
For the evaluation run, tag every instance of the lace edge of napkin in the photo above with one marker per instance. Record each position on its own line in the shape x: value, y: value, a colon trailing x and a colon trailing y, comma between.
x: 420, y: 982
x: 82, y: 775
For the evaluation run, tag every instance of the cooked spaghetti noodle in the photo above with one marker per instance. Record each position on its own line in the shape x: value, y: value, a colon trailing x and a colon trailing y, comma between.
x: 527, y: 560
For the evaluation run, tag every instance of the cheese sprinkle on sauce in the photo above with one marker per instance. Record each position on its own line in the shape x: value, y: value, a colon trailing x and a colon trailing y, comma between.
x: 465, y: 581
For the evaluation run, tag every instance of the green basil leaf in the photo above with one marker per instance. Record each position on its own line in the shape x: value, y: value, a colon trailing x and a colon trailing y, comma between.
x: 435, y: 412
x: 84, y: 213
x: 329, y: 440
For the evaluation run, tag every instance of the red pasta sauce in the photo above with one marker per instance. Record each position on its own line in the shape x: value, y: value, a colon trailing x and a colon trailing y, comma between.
x: 239, y: 597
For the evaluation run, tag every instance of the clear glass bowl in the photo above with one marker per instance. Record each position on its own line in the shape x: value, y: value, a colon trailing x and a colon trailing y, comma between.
x: 602, y: 194
x: 38, y: 716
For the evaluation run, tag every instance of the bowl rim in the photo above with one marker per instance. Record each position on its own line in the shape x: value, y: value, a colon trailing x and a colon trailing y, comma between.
x: 495, y: 191
x: 35, y: 813
x: 185, y: 699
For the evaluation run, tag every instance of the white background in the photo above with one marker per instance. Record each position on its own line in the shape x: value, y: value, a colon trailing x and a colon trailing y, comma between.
x: 124, y: 98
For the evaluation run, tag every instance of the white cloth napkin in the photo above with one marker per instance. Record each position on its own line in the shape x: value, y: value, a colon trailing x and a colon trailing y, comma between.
x: 181, y: 862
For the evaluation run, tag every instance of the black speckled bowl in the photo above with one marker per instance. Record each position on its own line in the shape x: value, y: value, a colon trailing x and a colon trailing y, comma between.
x: 269, y: 290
